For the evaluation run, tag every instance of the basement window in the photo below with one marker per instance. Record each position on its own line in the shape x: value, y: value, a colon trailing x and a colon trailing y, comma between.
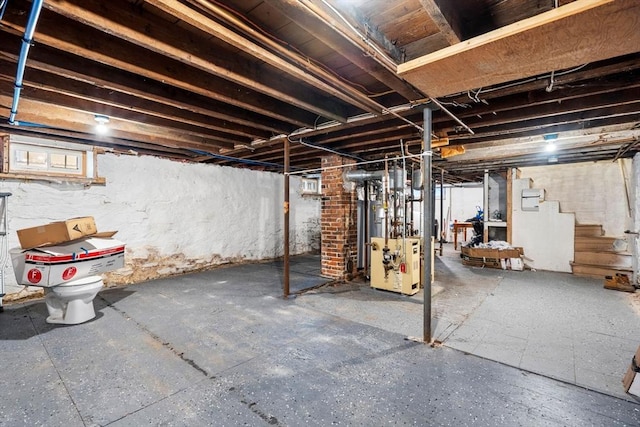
x: 310, y: 186
x: 26, y: 157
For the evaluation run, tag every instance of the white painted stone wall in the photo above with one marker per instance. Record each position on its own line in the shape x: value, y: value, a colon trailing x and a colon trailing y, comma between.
x: 174, y: 217
x: 594, y: 191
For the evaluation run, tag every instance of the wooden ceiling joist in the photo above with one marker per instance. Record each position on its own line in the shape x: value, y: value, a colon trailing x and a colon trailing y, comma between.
x: 571, y: 35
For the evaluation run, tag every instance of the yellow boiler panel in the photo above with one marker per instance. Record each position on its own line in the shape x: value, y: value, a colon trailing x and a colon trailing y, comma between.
x: 402, y: 273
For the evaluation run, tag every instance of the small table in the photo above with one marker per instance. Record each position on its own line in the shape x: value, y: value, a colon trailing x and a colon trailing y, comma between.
x: 456, y: 227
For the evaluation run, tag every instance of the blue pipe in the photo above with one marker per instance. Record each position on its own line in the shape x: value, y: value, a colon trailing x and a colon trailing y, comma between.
x: 36, y: 7
x: 239, y: 160
x: 3, y: 7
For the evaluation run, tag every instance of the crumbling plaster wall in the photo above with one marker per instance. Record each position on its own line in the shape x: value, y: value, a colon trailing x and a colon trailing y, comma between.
x: 174, y: 217
x: 594, y: 191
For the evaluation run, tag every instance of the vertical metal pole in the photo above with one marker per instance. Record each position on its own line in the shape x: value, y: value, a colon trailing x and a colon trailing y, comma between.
x: 286, y: 219
x: 485, y: 207
x: 441, y: 210
x: 4, y: 255
x: 367, y: 243
x: 427, y: 226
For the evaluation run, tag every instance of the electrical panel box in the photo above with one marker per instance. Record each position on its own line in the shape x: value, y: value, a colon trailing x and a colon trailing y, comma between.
x: 531, y: 198
x: 402, y: 274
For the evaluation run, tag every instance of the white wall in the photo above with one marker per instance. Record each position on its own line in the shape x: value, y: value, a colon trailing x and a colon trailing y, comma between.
x: 463, y: 202
x: 459, y: 204
x: 173, y: 216
x: 547, y: 236
x: 594, y: 191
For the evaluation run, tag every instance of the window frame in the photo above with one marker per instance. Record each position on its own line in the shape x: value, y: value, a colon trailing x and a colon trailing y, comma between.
x: 86, y: 156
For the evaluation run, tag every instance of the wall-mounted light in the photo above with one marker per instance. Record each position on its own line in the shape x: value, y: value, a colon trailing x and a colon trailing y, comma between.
x: 101, y: 127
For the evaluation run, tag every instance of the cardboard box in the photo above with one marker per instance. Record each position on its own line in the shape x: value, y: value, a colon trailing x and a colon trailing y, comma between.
x: 631, y: 380
x: 53, y: 265
x: 57, y: 232
x: 506, y: 259
x: 492, y: 253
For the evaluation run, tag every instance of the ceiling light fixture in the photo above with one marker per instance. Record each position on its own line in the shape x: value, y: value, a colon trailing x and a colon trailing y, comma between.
x: 101, y: 127
x: 550, y: 139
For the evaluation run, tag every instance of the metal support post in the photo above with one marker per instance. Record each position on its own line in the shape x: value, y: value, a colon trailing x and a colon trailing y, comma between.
x: 442, y: 227
x: 4, y: 244
x: 427, y: 227
x: 286, y: 219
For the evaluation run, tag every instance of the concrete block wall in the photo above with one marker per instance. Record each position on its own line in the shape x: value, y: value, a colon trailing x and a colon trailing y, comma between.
x: 338, y: 220
x: 174, y: 217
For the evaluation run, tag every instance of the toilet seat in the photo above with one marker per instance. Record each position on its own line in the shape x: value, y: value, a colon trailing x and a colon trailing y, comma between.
x: 71, y: 303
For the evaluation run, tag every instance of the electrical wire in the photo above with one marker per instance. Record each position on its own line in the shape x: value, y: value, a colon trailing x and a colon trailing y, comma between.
x: 366, y: 162
x: 330, y: 150
x: 265, y: 33
x: 238, y: 159
x: 360, y: 35
x: 521, y: 82
x: 383, y: 109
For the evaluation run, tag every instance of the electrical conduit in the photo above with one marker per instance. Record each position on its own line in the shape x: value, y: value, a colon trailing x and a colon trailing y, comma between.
x: 22, y: 60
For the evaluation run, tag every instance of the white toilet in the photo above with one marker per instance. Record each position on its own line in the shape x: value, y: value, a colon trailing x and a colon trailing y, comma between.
x: 71, y: 303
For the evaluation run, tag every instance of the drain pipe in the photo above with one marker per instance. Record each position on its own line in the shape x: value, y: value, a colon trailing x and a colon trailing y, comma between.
x: 36, y: 7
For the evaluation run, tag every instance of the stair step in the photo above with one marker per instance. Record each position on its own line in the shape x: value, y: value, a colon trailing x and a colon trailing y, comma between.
x: 589, y: 230
x: 597, y: 272
x: 605, y: 259
x: 594, y: 243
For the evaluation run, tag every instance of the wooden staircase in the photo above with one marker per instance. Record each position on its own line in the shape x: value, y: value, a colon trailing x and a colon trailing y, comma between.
x: 595, y: 254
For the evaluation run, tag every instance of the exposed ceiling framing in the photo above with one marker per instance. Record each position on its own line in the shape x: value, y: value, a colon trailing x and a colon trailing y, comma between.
x: 225, y: 82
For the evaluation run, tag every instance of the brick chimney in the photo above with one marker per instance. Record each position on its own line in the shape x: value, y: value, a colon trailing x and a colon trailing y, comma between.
x: 338, y: 220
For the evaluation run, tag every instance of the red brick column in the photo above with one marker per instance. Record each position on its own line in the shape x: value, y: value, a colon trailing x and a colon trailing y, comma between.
x: 338, y: 221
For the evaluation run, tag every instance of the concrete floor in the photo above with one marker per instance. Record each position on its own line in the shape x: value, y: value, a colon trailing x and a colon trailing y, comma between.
x: 223, y: 348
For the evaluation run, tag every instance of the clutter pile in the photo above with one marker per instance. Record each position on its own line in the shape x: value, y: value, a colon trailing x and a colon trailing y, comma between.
x: 619, y: 282
x: 62, y: 251
x: 494, y: 254
x: 66, y: 258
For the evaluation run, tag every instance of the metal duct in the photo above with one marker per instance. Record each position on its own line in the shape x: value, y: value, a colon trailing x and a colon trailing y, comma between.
x: 396, y: 178
x: 360, y: 175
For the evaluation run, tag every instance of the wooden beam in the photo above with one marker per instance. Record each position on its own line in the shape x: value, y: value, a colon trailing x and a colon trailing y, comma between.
x: 116, y: 144
x: 74, y: 102
x: 591, y: 71
x: 350, y: 13
x: 298, y: 66
x: 581, y: 120
x: 627, y: 97
x: 59, y: 117
x: 149, y: 34
x: 441, y: 21
x: 75, y: 69
x: 328, y: 34
x: 58, y: 90
x: 93, y: 45
x: 574, y: 34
